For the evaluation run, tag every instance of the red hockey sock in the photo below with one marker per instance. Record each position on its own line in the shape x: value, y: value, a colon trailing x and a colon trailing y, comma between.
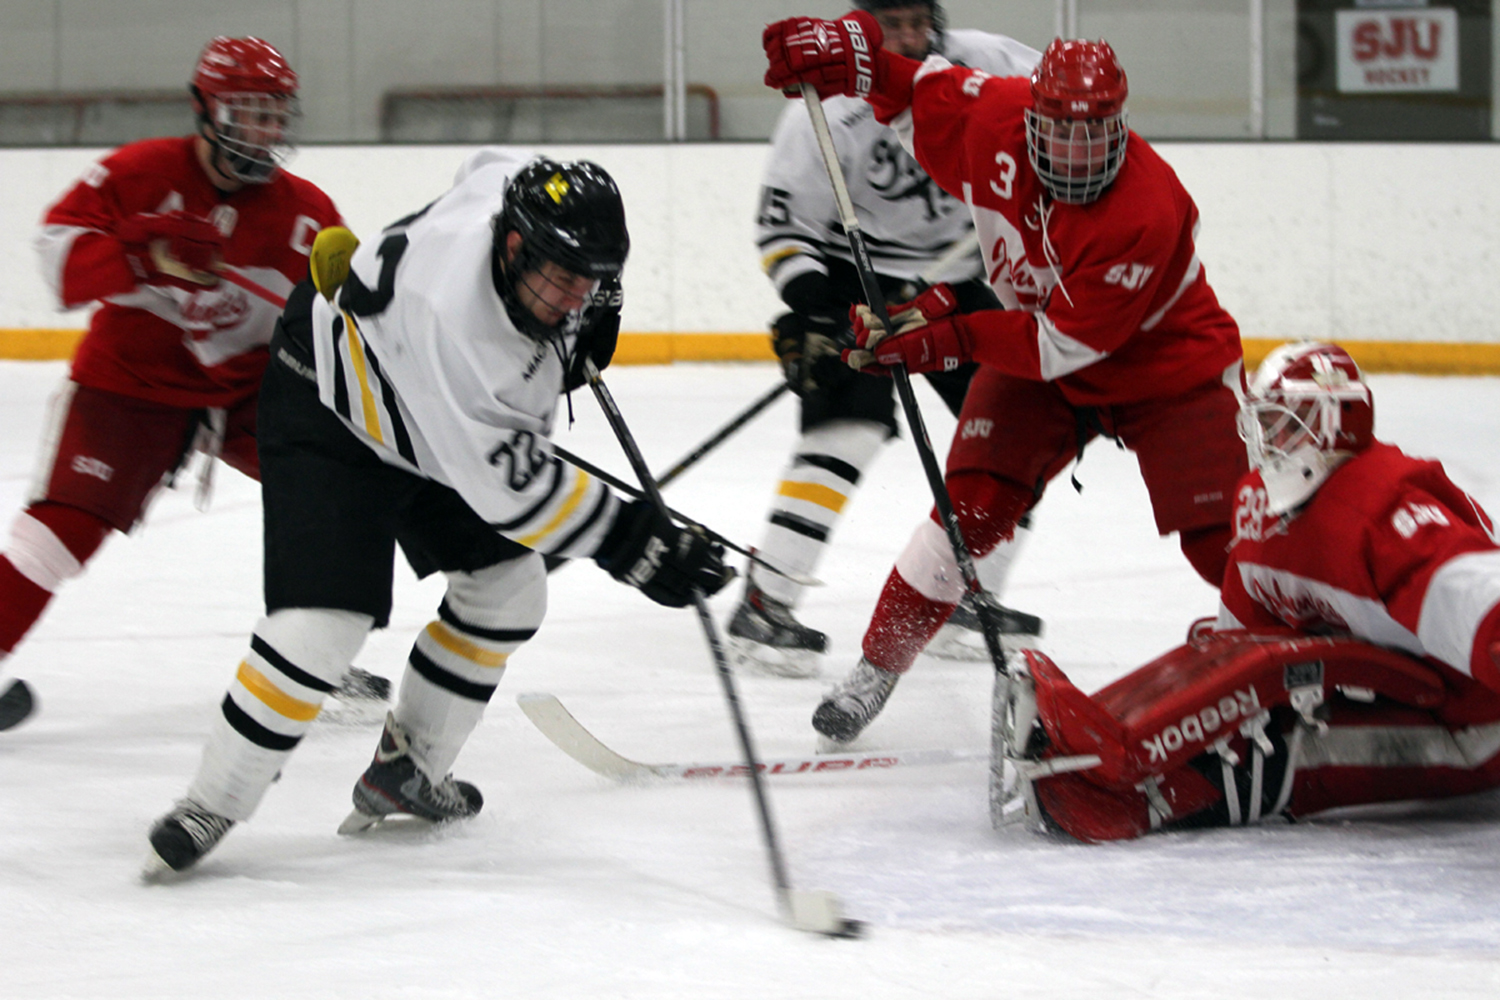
x: 903, y: 624
x: 21, y: 604
x: 21, y: 600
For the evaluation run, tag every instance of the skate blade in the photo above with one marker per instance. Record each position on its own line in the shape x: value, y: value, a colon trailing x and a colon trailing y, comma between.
x: 359, y: 822
x: 155, y: 871
x: 767, y: 661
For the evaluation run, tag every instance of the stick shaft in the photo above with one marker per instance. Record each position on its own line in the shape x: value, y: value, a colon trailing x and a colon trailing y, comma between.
x: 876, y: 300
x: 714, y: 440
x: 715, y: 644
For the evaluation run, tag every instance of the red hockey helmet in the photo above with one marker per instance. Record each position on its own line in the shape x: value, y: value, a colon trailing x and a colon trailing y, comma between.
x: 1076, y: 127
x: 1307, y: 410
x: 245, y: 96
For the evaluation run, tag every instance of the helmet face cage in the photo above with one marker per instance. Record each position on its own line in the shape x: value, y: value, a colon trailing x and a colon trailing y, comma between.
x: 1076, y: 160
x: 245, y: 96
x: 1076, y: 127
x: 1308, y: 408
x: 571, y: 216
x: 253, y: 131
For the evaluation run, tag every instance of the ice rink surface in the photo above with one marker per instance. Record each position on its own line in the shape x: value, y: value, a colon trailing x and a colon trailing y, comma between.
x: 569, y: 886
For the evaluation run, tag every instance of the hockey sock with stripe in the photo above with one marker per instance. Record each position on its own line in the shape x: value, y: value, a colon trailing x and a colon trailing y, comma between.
x: 825, y: 468
x: 296, y: 658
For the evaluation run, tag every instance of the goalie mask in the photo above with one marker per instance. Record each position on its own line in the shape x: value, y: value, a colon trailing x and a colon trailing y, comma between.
x: 568, y: 250
x: 1308, y: 409
x: 245, y: 97
x: 1076, y: 127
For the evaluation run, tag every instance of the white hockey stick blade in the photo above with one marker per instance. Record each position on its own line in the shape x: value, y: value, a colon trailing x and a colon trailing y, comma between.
x: 569, y: 735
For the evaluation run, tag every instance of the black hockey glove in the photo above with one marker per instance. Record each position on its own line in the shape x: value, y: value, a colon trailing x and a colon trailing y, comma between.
x: 665, y: 562
x: 808, y: 348
x: 599, y: 336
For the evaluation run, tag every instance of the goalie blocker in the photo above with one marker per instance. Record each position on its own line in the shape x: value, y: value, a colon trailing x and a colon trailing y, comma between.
x: 1232, y: 728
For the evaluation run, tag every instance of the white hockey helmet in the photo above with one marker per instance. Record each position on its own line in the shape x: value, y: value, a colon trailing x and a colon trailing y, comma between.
x: 1307, y: 410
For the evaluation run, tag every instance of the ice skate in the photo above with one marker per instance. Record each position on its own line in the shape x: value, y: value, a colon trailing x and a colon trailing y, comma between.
x: 854, y: 703
x: 16, y: 705
x: 962, y: 638
x: 764, y: 637
x: 394, y: 785
x: 181, y: 837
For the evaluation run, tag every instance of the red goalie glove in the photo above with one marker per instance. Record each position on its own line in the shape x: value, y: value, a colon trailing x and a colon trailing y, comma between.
x: 836, y: 57
x: 173, y: 248
x: 929, y: 336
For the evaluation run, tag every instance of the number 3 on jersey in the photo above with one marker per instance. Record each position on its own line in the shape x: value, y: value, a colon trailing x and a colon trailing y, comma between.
x: 1007, y: 167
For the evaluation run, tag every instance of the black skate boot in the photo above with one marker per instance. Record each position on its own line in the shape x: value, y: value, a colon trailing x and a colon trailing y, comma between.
x: 854, y: 703
x: 393, y: 784
x: 183, y: 836
x: 765, y: 637
x: 16, y: 705
x: 962, y: 637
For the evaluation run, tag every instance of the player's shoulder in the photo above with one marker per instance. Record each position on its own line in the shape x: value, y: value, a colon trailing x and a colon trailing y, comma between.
x: 293, y: 188
x: 998, y: 55
x: 164, y: 155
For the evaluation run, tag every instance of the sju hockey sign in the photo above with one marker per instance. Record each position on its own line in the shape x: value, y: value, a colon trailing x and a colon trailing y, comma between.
x: 1398, y: 50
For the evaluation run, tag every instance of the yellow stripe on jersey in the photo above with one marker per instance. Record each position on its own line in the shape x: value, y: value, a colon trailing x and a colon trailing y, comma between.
x: 569, y: 506
x: 813, y: 493
x: 273, y: 697
x: 459, y: 646
x: 366, y: 395
x: 775, y: 257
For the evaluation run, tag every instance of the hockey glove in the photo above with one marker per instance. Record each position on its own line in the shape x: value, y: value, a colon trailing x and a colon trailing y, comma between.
x: 661, y: 560
x: 599, y: 336
x: 809, y: 348
x: 173, y: 248
x: 836, y: 57
x: 929, y: 336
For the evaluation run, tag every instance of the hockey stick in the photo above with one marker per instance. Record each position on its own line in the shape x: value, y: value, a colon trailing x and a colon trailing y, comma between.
x: 329, y: 266
x: 989, y: 615
x: 558, y: 724
x: 567, y: 456
x: 746, y: 415
x: 816, y: 912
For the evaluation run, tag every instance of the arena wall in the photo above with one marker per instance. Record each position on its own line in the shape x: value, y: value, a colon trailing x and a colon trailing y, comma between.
x: 1392, y: 248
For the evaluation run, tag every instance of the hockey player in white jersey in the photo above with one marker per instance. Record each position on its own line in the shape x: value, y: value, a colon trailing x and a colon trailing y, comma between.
x: 415, y: 410
x: 847, y: 417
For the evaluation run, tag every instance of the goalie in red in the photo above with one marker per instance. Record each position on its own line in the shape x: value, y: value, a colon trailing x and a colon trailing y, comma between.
x: 1356, y: 657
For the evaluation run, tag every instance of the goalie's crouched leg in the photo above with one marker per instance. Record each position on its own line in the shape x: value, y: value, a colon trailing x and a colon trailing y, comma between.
x: 1231, y: 729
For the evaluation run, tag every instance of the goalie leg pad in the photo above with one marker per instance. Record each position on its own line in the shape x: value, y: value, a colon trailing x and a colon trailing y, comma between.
x: 1210, y: 733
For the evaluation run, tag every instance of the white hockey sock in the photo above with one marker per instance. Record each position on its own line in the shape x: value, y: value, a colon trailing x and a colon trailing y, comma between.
x: 296, y: 657
x: 458, y: 660
x: 824, y: 469
x: 994, y: 569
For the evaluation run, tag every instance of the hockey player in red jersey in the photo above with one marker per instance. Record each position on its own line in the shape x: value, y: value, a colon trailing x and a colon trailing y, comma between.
x: 1113, y: 330
x: 1354, y: 658
x: 173, y: 356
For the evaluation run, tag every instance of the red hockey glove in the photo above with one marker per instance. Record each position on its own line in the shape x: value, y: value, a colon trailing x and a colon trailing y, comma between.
x: 929, y: 336
x: 836, y: 57
x: 174, y: 248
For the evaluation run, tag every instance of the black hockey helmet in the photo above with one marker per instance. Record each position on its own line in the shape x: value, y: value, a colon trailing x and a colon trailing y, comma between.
x: 569, y: 213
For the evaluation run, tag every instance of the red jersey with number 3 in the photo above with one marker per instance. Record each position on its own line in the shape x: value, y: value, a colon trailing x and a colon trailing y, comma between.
x: 1113, y: 303
x: 170, y: 345
x: 1388, y: 549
